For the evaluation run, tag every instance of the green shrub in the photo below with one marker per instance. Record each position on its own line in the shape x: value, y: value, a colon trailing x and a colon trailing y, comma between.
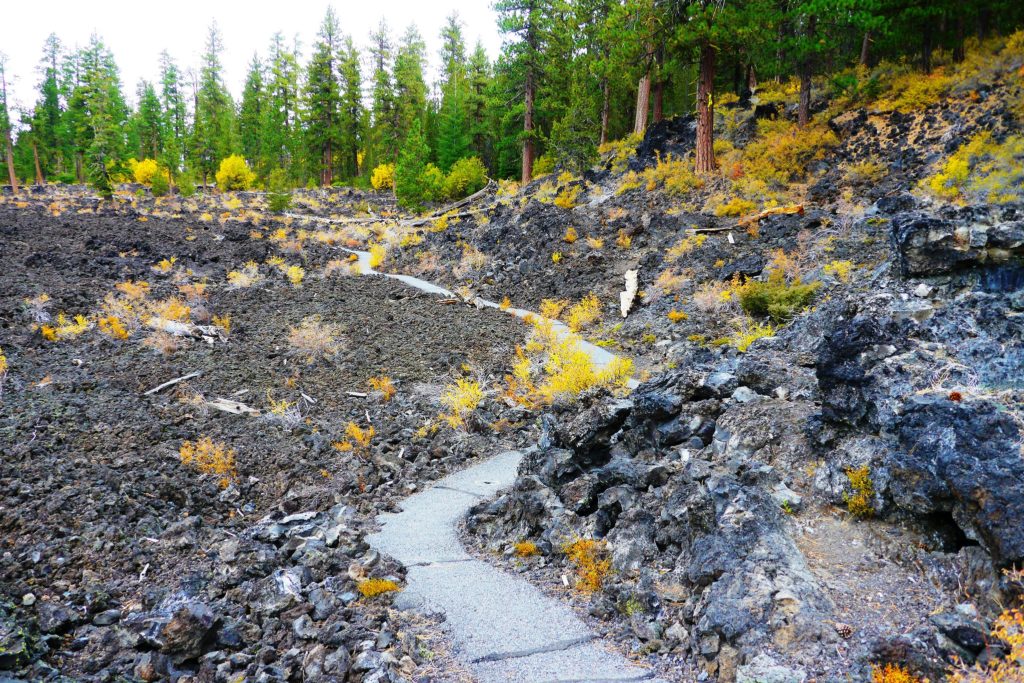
x: 776, y: 298
x: 186, y: 184
x: 234, y: 174
x: 279, y: 198
x: 159, y: 183
x: 433, y: 182
x: 466, y: 177
x: 410, y: 181
x: 543, y: 165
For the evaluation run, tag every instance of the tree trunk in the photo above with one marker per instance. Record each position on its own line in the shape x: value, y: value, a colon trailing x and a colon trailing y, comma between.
x: 78, y: 168
x: 926, y: 49
x: 806, y: 64
x: 606, y: 109
x: 659, y: 102
x: 10, y: 164
x: 958, y: 47
x: 865, y: 44
x: 528, y: 149
x: 705, y: 161
x: 643, y: 100
x: 39, y: 171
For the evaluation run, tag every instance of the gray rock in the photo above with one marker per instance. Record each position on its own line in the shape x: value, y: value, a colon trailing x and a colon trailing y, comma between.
x: 764, y: 669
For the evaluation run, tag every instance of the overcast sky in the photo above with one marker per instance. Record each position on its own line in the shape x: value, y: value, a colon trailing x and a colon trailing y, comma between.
x: 137, y: 31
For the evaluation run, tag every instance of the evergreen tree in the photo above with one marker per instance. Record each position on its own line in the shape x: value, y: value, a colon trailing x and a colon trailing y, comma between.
x: 478, y: 83
x: 280, y: 138
x: 251, y: 115
x: 148, y: 123
x: 453, y: 133
x: 213, y: 134
x: 351, y: 114
x: 105, y: 114
x: 383, y: 145
x: 323, y: 102
x: 410, y: 183
x: 172, y: 100
x: 527, y: 25
x: 410, y: 86
x: 46, y: 117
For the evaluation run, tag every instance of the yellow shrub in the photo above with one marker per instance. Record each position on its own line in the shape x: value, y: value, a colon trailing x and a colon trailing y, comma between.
x: 684, y: 246
x: 781, y: 153
x: 145, y: 170
x: 461, y: 399
x: 552, y: 308
x: 982, y: 169
x: 891, y: 673
x: 623, y: 241
x: 675, y: 176
x: 526, y: 549
x: 371, y: 588
x: 864, y: 172
x: 135, y: 290
x: 377, y: 254
x: 570, y: 235
x: 616, y: 153
x: 913, y: 91
x: 165, y: 265
x: 248, y: 276
x: 591, y: 562
x: 677, y: 316
x: 595, y: 242
x: 839, y: 269
x: 556, y: 257
x: 65, y: 328
x: 861, y: 502
x: 112, y: 327
x: 384, y: 385
x: 234, y: 174
x: 584, y: 313
x: 295, y: 275
x: 567, y: 196
x: 313, y: 339
x: 383, y: 177
x: 737, y: 206
x: 210, y: 457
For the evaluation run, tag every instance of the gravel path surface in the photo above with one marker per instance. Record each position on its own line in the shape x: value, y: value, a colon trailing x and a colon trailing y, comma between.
x: 503, y: 628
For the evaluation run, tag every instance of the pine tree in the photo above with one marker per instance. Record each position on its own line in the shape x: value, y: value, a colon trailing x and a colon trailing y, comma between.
x: 323, y: 102
x: 213, y: 134
x: 410, y: 86
x: 106, y: 114
x: 280, y: 138
x: 251, y: 115
x: 172, y: 100
x: 148, y: 123
x: 479, y: 79
x: 46, y: 117
x: 527, y: 23
x: 351, y: 115
x: 453, y: 133
x: 383, y: 146
x: 410, y: 187
x: 5, y: 124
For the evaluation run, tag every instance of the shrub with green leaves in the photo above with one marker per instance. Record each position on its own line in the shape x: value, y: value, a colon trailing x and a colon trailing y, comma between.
x: 186, y: 184
x: 279, y: 196
x: 159, y: 184
x: 776, y: 298
x: 410, y: 182
x: 433, y: 183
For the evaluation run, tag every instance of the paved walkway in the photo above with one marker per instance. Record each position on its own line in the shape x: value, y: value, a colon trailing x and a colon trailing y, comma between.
x: 503, y: 629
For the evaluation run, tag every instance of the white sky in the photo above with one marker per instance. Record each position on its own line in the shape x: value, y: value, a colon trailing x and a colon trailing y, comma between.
x: 139, y: 30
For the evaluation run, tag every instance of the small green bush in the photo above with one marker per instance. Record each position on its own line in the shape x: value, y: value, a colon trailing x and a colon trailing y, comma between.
x: 543, y: 165
x: 186, y: 185
x: 159, y: 183
x: 433, y: 182
x: 279, y: 198
x: 776, y: 298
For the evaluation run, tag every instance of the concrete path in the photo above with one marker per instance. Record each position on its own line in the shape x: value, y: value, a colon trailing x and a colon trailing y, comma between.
x: 503, y: 629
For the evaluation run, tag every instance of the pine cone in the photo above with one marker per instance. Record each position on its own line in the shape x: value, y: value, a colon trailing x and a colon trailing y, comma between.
x: 844, y: 630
